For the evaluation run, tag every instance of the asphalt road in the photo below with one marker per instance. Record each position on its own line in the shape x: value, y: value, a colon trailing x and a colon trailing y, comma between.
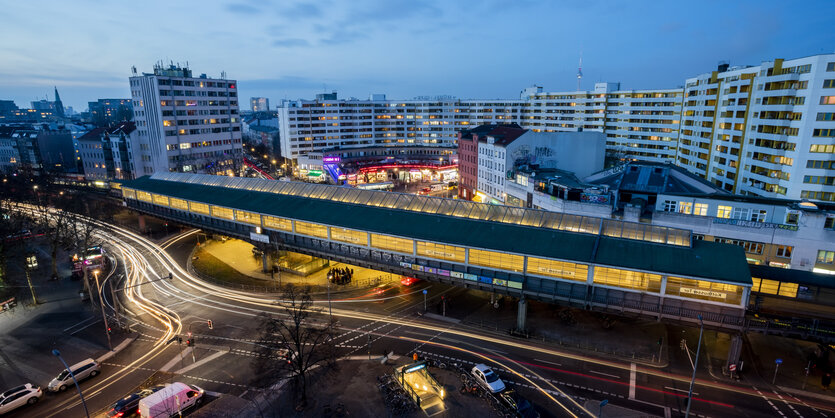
x: 557, y: 381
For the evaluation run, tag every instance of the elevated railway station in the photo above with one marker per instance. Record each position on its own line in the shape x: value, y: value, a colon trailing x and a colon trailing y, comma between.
x: 598, y: 264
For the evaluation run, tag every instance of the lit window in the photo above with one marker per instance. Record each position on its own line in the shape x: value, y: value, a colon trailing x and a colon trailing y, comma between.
x: 724, y: 212
x: 700, y: 209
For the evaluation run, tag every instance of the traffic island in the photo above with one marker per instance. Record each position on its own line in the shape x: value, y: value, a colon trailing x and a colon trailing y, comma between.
x: 352, y: 389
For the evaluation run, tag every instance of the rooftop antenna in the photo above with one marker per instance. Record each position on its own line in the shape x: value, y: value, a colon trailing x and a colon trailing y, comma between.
x: 580, y: 71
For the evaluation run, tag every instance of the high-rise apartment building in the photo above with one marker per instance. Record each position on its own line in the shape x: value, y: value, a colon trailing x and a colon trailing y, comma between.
x: 765, y: 130
x: 315, y: 125
x: 259, y: 104
x: 638, y: 124
x: 185, y: 123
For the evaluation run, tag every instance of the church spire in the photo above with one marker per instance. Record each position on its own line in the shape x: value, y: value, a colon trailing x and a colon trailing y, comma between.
x: 59, y: 106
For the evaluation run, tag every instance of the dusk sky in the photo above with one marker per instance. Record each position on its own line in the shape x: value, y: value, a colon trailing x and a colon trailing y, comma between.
x: 403, y: 48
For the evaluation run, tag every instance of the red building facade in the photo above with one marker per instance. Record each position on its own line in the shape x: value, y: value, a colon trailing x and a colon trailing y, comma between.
x: 468, y: 153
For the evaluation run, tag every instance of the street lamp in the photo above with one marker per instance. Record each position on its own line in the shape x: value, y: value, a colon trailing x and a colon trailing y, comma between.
x: 695, y: 367
x: 101, y: 302
x: 57, y: 353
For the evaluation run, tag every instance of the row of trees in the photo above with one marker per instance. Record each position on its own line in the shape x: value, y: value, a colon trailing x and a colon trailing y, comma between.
x: 33, y: 207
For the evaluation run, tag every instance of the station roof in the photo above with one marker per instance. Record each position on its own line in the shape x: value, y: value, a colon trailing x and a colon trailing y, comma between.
x: 722, y: 262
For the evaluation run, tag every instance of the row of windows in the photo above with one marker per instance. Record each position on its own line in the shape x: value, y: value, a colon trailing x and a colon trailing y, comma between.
x: 773, y: 287
x: 647, y: 282
x: 825, y: 180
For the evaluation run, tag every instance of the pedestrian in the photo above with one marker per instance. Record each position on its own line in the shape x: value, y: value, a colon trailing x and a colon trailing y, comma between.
x: 826, y: 380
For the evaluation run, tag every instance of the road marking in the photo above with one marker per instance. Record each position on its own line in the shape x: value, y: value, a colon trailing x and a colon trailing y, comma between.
x: 178, y: 357
x: 85, y: 327
x: 546, y: 361
x: 632, y: 377
x: 79, y: 323
x: 681, y: 390
x: 605, y: 374
x: 200, y: 362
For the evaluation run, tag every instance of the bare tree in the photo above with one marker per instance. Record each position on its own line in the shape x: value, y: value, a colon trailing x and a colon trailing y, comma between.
x: 82, y: 231
x: 295, y: 344
x: 11, y: 227
x: 54, y: 222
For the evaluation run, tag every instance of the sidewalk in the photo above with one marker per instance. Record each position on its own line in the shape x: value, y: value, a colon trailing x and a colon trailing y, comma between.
x: 575, y: 329
x: 28, y: 332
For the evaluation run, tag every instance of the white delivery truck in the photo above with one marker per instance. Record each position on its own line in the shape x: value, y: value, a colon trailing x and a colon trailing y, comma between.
x: 170, y: 400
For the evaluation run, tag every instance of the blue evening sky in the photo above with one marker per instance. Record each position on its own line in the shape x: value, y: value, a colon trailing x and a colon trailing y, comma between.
x: 403, y: 48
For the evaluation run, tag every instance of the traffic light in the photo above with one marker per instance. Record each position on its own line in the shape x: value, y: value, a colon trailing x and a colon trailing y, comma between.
x: 660, y: 340
x: 210, y: 324
x: 189, y: 342
x: 109, y: 331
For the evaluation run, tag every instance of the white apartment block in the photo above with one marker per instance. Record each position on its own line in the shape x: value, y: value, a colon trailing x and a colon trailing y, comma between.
x: 185, y: 123
x: 638, y: 124
x: 316, y: 125
x: 767, y: 130
x: 764, y: 130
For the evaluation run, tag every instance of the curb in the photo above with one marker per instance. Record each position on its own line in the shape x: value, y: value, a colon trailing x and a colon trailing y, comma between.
x: 118, y: 348
x: 830, y: 399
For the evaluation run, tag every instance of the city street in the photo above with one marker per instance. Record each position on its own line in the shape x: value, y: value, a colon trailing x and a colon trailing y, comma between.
x: 558, y: 381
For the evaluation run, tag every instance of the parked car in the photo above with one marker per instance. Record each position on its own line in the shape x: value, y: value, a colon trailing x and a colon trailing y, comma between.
x: 487, y: 378
x: 81, y: 370
x: 170, y: 400
x: 520, y: 406
x: 16, y: 397
x: 129, y: 405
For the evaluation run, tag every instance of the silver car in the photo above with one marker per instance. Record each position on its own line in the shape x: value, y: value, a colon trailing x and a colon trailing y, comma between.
x: 81, y: 370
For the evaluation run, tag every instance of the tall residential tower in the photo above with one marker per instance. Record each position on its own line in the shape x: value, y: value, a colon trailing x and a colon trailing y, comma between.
x: 185, y: 123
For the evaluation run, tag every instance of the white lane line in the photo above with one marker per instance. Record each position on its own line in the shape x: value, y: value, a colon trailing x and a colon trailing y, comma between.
x: 79, y: 323
x: 633, y: 372
x: 548, y: 362
x: 681, y: 390
x: 85, y: 327
x: 605, y: 374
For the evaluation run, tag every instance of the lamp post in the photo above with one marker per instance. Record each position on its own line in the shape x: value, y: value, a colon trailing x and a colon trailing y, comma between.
x: 101, y: 303
x: 57, y: 353
x: 600, y: 407
x: 695, y: 367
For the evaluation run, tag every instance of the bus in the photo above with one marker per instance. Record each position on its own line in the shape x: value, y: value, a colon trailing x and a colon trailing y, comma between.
x: 386, y: 185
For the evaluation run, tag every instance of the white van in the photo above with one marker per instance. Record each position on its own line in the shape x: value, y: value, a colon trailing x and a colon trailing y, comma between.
x: 81, y: 370
x: 170, y: 400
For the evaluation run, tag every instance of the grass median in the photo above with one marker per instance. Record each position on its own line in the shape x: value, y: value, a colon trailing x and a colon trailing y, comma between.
x: 210, y: 266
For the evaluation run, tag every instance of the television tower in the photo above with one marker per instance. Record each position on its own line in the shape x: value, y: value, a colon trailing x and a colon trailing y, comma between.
x: 580, y: 71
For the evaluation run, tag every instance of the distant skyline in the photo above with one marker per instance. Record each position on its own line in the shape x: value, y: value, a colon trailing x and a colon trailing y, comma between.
x: 402, y: 48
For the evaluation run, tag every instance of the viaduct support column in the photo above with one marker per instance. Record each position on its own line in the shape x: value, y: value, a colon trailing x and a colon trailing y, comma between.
x: 734, y: 353
x: 264, y: 258
x: 522, y: 315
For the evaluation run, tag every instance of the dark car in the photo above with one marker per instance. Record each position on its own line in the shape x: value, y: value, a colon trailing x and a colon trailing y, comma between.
x: 517, y: 404
x: 129, y: 405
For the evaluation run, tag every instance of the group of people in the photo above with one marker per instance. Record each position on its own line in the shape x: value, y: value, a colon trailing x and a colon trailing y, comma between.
x: 340, y: 275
